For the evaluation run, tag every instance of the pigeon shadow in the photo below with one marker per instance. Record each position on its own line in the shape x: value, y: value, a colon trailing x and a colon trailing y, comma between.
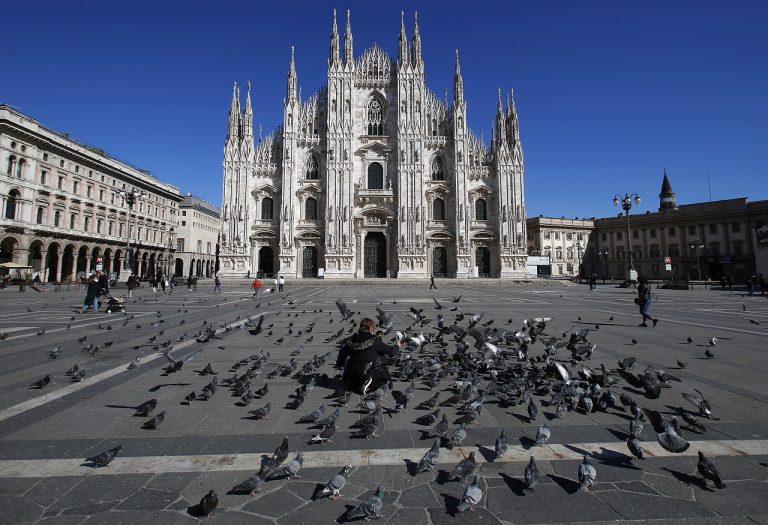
x: 488, y: 454
x: 517, y: 486
x: 568, y: 485
x: 120, y: 406
x: 442, y: 477
x: 451, y: 504
x: 620, y: 434
x: 196, y: 511
x: 688, y: 479
x: 410, y: 466
x: 527, y: 442
x: 524, y: 419
x: 158, y: 387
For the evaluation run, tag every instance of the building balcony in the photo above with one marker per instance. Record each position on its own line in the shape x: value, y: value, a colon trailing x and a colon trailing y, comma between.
x: 375, y: 196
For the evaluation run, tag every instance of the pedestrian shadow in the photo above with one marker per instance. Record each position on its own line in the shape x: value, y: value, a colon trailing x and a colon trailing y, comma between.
x: 568, y: 485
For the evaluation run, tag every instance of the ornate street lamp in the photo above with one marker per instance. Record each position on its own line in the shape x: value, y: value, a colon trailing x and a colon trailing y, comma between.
x: 130, y: 198
x: 696, y: 245
x: 171, y: 247
x: 626, y: 205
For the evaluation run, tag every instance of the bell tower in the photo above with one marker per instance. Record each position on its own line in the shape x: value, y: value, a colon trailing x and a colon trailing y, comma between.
x: 667, y: 202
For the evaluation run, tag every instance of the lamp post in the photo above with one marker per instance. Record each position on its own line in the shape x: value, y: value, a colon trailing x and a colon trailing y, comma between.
x: 696, y: 245
x: 130, y: 198
x: 626, y: 205
x: 604, y: 260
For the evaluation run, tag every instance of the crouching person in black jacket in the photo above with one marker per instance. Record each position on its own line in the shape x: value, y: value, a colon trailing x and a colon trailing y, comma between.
x: 364, y: 352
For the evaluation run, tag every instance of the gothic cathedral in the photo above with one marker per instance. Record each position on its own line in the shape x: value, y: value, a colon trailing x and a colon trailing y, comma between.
x: 373, y: 176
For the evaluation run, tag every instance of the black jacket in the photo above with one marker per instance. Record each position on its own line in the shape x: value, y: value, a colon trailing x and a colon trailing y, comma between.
x: 364, y: 349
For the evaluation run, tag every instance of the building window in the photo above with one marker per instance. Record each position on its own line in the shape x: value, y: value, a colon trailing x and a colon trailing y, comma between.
x: 547, y: 235
x: 481, y: 210
x: 713, y: 228
x: 89, y: 192
x: 673, y: 232
x: 184, y: 213
x: 199, y: 246
x: 738, y: 249
x: 19, y: 167
x: 569, y: 253
x: 375, y: 176
x: 57, y: 218
x: 375, y: 117
x: 312, y: 171
x: 120, y: 229
x: 77, y: 168
x: 691, y: 230
x: 618, y: 236
x: 653, y: 233
x: 604, y: 236
x: 45, y: 156
x: 179, y: 244
x: 736, y: 227
x: 40, y: 215
x: 559, y: 254
x: 60, y: 185
x: 568, y: 236
x: 266, y: 209
x: 111, y: 228
x: 209, y: 248
x: 437, y: 169
x: 557, y: 236
x: 654, y: 251
x: 310, y: 209
x: 75, y: 187
x: 635, y: 234
x: 61, y: 163
x: 183, y: 223
x: 438, y: 209
x: 43, y: 177
x: 87, y: 224
x: 99, y: 223
x: 101, y: 195
x: 580, y: 236
x: 11, y: 204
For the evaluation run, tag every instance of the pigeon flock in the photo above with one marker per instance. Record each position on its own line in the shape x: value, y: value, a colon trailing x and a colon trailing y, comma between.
x: 458, y: 366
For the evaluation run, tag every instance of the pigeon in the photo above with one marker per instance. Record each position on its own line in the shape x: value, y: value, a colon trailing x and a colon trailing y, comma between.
x: 313, y: 416
x: 667, y: 432
x: 542, y: 435
x: 700, y: 402
x: 55, y: 353
x: 261, y: 413
x: 634, y: 446
x: 587, y: 474
x: 712, y: 341
x: 708, y: 471
x: 533, y: 410
x: 429, y: 419
x: 208, y: 504
x: 370, y: 507
x: 502, y: 444
x: 457, y: 437
x: 335, y: 484
x: 683, y: 364
x: 155, y: 422
x: 42, y: 383
x: 464, y: 469
x: 208, y: 370
x: 105, y: 458
x: 280, y: 455
x: 136, y: 363
x: 531, y: 474
x: 693, y: 423
x: 250, y: 486
x: 441, y: 428
x: 429, y: 461
x: 325, y: 435
x: 709, y: 354
x: 145, y: 408
x: 190, y: 397
x: 292, y: 468
x: 473, y: 495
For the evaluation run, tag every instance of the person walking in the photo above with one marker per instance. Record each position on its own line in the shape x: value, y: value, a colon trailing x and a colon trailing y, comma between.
x: 194, y: 284
x: 280, y: 283
x: 91, y: 293
x: 365, y: 370
x: 432, y: 282
x: 216, y: 284
x: 256, y: 287
x: 644, y: 301
x: 131, y: 284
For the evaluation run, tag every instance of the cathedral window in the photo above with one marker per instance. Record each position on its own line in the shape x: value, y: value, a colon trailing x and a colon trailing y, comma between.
x: 437, y: 169
x: 312, y: 169
x: 310, y: 209
x: 438, y: 209
x: 375, y: 176
x: 19, y: 167
x: 266, y: 209
x: 375, y: 117
x: 481, y: 210
x: 11, y: 162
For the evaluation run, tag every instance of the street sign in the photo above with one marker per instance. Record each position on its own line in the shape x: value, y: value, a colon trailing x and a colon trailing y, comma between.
x: 667, y: 260
x: 99, y: 264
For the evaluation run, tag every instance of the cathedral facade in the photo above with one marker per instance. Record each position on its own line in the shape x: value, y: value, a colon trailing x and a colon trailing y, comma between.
x: 373, y: 176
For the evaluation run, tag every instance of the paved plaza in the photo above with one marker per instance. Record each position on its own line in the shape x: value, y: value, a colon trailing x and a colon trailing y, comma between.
x: 160, y: 475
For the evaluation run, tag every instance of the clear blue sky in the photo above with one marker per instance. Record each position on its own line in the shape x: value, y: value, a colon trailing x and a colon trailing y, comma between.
x: 608, y: 92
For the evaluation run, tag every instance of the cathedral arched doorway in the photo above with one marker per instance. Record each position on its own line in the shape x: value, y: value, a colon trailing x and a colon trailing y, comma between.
x: 267, y: 261
x: 440, y: 262
x: 309, y: 262
x: 178, y: 268
x: 375, y: 255
x: 483, y: 261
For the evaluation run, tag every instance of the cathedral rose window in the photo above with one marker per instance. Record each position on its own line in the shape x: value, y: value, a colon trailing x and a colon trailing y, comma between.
x: 375, y: 117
